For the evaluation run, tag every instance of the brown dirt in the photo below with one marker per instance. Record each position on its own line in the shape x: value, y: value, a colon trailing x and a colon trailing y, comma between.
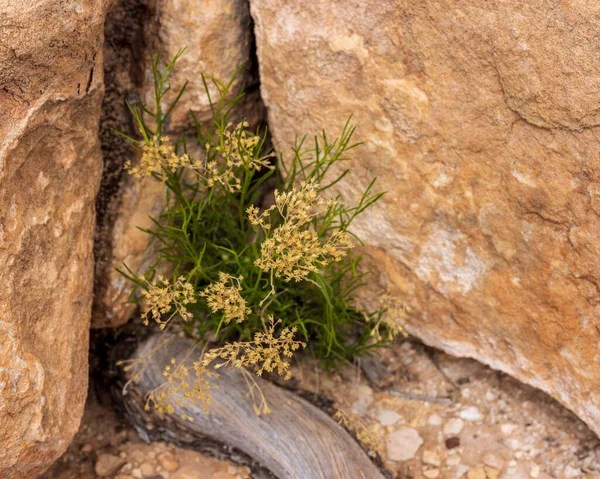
x: 106, y: 447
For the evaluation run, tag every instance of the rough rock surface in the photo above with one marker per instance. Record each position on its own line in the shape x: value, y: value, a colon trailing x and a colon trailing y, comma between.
x: 50, y: 93
x: 480, y: 120
x: 218, y: 37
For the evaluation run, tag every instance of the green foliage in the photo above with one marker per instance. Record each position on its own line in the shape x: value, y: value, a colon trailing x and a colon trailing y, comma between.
x: 207, y: 235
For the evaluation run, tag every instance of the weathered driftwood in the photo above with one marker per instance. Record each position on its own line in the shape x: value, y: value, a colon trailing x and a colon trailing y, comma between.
x: 297, y: 440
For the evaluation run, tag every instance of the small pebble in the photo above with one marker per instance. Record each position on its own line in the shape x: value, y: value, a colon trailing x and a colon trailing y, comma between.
x: 431, y: 458
x: 453, y: 426
x: 491, y: 472
x: 452, y: 442
x: 108, y: 464
x: 147, y: 469
x: 514, y: 444
x: 453, y: 460
x: 168, y: 461
x: 470, y: 413
x: 87, y: 448
x: 476, y: 473
x: 432, y: 473
x: 388, y: 418
x: 435, y: 420
x: 572, y: 472
x: 507, y: 428
x: 403, y: 444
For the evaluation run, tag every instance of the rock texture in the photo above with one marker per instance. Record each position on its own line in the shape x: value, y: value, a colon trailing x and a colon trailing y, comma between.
x: 218, y: 37
x: 480, y: 120
x: 50, y: 94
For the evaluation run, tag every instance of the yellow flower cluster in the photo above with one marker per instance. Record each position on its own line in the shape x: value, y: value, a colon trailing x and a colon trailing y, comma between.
x: 182, y: 387
x: 224, y: 295
x: 395, y: 310
x: 263, y: 353
x: 367, y: 435
x: 294, y: 249
x: 237, y: 147
x: 162, y: 297
x: 158, y: 154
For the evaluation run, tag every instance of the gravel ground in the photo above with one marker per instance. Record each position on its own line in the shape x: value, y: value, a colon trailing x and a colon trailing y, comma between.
x: 443, y: 417
x: 436, y: 417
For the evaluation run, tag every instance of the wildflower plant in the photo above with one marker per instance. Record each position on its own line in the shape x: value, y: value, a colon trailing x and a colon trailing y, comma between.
x: 165, y: 300
x: 182, y: 387
x: 265, y: 352
x: 225, y: 295
x: 263, y: 281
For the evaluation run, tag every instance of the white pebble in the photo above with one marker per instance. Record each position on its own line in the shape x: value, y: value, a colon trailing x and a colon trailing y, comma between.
x: 507, y: 428
x: 435, y: 420
x: 453, y: 426
x: 572, y: 472
x: 386, y: 417
x: 470, y: 413
x: 514, y: 444
x: 432, y: 473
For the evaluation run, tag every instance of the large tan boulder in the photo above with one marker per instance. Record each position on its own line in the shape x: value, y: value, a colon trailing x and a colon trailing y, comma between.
x: 50, y: 163
x: 217, y: 36
x: 480, y: 119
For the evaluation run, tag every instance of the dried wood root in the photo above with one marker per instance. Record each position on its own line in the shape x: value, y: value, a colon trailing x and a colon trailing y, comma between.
x: 295, y: 441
